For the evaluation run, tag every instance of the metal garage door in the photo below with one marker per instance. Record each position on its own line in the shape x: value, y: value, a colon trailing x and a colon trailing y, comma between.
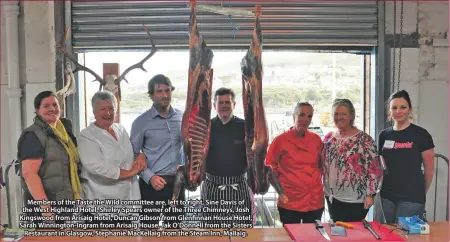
x: 115, y: 25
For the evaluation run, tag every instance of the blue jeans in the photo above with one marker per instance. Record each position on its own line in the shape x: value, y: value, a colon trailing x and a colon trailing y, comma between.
x: 393, y: 210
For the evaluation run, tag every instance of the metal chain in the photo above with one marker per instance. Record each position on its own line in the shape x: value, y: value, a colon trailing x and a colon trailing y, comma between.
x: 400, y: 46
x: 394, y: 47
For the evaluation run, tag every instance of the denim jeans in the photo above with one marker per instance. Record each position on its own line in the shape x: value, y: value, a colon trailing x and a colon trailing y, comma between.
x: 393, y: 210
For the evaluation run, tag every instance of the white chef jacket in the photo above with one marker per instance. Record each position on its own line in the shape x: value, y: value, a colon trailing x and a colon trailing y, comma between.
x: 102, y: 157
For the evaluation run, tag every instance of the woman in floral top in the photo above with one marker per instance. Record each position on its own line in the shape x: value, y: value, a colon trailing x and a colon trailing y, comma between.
x: 351, y: 166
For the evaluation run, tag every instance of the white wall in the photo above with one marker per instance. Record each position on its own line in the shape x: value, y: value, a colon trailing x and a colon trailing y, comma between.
x: 424, y: 74
x: 39, y: 41
x: 36, y: 60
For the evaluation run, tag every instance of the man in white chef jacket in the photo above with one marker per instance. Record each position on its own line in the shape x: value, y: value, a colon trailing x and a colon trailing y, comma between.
x: 109, y: 170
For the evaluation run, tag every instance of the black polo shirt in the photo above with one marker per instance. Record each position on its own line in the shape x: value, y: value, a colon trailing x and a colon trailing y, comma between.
x: 227, y: 154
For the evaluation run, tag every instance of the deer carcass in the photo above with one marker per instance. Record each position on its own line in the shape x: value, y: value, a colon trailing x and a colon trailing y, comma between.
x: 256, y: 133
x: 196, y: 118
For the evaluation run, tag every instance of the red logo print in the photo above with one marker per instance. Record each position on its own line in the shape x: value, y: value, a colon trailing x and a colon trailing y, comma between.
x: 407, y: 145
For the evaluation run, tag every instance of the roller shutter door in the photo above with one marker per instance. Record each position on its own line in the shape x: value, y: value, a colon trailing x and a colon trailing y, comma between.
x: 118, y: 25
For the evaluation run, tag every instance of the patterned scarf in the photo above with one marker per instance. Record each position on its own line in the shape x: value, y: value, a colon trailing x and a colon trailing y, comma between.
x: 74, y: 157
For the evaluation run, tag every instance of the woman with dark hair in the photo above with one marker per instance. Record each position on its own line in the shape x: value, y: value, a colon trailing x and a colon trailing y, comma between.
x: 351, y: 165
x: 404, y: 147
x: 48, y: 157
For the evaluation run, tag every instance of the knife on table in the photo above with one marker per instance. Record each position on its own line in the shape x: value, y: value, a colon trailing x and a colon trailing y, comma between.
x: 369, y: 227
x: 319, y: 226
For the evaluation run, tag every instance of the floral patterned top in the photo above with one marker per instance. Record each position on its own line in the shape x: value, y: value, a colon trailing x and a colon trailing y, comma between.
x: 351, y: 167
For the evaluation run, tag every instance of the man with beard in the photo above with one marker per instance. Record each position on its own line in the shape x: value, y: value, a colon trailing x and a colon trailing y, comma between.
x: 226, y: 166
x: 157, y: 134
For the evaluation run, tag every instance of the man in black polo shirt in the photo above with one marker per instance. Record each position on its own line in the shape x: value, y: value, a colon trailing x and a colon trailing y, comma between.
x: 226, y: 196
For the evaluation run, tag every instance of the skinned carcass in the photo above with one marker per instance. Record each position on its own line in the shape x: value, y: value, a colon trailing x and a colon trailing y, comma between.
x: 196, y: 118
x: 259, y: 175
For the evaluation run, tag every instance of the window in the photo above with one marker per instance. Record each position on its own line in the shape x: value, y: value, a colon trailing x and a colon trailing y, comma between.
x: 289, y: 77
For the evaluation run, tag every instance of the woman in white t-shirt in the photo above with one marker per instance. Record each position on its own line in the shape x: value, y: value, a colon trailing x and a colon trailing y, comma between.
x: 109, y: 170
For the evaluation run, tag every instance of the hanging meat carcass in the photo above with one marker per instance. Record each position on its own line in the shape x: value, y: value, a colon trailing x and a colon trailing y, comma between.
x: 196, y: 118
x: 259, y: 175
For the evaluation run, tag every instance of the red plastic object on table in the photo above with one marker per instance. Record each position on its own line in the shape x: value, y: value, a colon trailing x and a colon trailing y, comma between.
x: 308, y: 232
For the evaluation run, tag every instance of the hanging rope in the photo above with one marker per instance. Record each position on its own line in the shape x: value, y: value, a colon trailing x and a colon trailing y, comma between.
x: 234, y: 27
x: 227, y: 11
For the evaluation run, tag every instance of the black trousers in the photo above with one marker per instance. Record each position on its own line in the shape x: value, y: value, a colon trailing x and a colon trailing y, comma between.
x: 231, y: 193
x: 148, y: 193
x: 346, y: 212
x: 295, y: 217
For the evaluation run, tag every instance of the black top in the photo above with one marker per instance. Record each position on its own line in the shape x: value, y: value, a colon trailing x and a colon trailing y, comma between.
x: 227, y: 154
x: 402, y: 152
x: 31, y: 148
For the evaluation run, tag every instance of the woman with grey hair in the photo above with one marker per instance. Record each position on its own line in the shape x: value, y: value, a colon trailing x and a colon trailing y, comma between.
x: 109, y: 168
x: 351, y: 166
x: 294, y: 157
